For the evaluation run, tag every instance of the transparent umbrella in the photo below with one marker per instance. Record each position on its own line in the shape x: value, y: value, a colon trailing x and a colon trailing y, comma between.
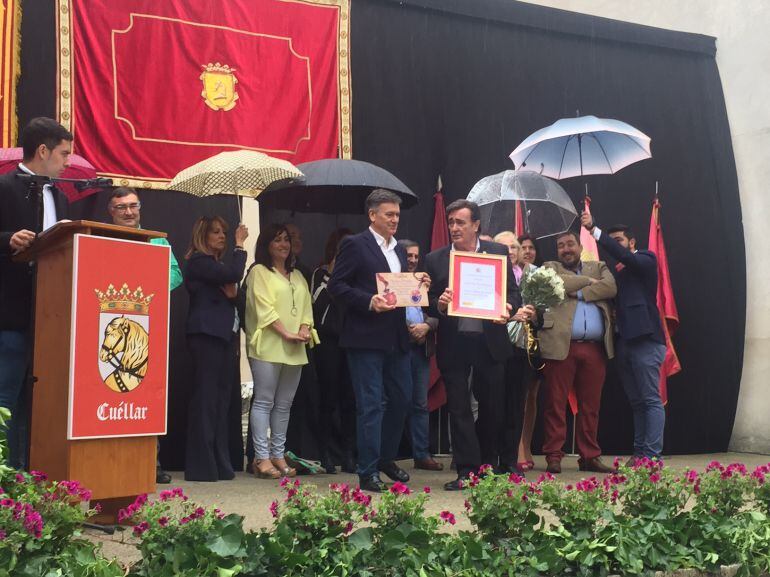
x: 545, y: 206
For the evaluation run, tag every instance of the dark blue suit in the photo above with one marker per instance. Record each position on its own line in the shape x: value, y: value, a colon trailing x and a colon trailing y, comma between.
x: 213, y: 347
x: 641, y: 344
x: 377, y: 346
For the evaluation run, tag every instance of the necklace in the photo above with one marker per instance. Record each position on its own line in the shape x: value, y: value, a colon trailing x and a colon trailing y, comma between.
x: 293, y: 304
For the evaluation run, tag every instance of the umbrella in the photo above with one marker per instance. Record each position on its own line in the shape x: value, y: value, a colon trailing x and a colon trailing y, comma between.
x: 336, y: 186
x: 580, y: 146
x: 238, y: 173
x: 79, y: 168
x: 547, y: 209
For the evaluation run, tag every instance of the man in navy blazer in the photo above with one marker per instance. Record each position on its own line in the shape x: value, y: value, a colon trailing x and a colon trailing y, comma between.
x: 641, y: 345
x: 376, y: 340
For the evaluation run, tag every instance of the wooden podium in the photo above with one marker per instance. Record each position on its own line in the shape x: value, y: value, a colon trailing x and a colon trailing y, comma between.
x: 116, y: 467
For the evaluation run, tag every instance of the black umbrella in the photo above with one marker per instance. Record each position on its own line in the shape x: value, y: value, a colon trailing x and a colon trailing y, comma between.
x: 336, y: 186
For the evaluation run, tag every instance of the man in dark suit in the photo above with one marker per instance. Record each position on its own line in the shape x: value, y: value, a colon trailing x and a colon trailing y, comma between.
x: 465, y: 344
x: 375, y: 336
x: 641, y: 345
x: 23, y: 214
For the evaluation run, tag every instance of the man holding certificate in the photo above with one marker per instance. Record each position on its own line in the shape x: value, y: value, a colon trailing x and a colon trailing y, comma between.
x: 375, y: 337
x: 473, y: 292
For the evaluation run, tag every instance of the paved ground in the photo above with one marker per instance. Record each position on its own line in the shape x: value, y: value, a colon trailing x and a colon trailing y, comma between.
x: 251, y: 497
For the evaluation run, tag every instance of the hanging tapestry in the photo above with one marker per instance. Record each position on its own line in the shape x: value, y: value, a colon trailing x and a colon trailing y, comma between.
x: 149, y: 88
x: 10, y: 27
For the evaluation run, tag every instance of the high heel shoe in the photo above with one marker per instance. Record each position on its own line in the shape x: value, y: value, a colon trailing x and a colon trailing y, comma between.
x: 525, y: 465
x: 283, y: 467
x: 263, y: 471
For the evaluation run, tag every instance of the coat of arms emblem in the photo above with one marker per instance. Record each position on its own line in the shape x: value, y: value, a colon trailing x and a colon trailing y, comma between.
x: 124, y: 322
x: 219, y: 86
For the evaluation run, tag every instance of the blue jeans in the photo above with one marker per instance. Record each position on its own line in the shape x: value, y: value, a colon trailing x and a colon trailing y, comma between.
x: 639, y: 364
x: 382, y: 382
x: 419, y: 417
x: 13, y: 368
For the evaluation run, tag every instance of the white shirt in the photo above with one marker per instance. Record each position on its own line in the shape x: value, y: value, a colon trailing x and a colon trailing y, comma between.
x: 388, y: 249
x: 49, y: 207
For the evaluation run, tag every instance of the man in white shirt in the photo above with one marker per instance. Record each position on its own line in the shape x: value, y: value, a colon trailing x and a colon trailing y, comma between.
x: 47, y: 146
x: 375, y: 336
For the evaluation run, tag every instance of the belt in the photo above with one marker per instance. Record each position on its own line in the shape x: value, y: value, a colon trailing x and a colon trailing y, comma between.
x: 584, y: 341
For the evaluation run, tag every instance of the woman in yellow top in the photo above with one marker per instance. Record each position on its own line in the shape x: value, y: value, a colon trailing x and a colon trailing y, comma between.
x: 279, y: 326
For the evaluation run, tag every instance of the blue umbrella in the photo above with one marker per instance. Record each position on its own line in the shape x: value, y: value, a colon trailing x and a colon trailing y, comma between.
x: 581, y: 146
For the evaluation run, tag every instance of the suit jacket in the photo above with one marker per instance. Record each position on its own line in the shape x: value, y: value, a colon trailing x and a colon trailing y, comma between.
x: 636, y: 305
x: 16, y: 278
x: 211, y: 312
x: 495, y: 336
x: 555, y: 332
x: 353, y: 284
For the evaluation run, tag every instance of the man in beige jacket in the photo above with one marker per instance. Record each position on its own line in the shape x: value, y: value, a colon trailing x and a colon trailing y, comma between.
x: 576, y: 339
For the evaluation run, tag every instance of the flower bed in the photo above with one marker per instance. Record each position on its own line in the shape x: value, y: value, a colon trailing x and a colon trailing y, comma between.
x: 644, y: 519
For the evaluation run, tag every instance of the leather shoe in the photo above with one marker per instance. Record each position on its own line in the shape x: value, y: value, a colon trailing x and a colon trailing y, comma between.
x: 348, y: 464
x: 595, y: 465
x: 161, y: 477
x: 554, y: 467
x: 456, y: 484
x: 394, y: 472
x: 428, y: 464
x: 373, y: 484
x: 509, y: 468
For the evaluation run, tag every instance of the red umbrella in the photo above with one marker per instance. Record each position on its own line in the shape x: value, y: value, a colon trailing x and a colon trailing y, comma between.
x: 79, y: 168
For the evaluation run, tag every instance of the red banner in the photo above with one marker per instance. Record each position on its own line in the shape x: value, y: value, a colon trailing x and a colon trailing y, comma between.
x: 119, y: 363
x: 150, y: 88
x: 10, y: 26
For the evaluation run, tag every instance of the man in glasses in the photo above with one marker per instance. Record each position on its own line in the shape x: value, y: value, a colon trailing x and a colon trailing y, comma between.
x: 125, y: 210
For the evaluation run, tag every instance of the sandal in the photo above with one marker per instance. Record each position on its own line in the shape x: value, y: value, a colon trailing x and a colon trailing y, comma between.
x: 281, y: 465
x: 264, y: 469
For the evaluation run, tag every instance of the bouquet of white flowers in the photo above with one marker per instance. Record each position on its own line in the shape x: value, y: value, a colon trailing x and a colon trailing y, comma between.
x: 542, y: 288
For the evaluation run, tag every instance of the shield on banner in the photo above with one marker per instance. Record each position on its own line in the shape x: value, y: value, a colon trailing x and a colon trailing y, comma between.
x: 124, y: 337
x: 219, y: 86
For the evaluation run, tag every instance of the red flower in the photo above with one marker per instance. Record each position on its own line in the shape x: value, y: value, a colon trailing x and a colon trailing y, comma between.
x: 448, y: 517
x: 274, y: 509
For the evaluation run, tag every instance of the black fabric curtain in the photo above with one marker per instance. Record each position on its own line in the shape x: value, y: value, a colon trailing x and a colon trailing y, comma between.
x: 450, y: 88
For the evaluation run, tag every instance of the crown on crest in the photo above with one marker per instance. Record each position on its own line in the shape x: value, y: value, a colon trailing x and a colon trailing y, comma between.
x: 124, y: 301
x: 217, y: 67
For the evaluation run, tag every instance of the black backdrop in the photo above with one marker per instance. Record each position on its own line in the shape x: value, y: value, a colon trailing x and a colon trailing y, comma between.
x: 450, y: 87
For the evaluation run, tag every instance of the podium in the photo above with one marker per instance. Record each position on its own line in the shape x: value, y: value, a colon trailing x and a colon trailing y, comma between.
x: 114, y: 466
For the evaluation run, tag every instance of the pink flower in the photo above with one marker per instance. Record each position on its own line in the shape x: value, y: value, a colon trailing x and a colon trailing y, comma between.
x: 2, y: 534
x: 691, y: 475
x: 349, y: 527
x: 654, y: 477
x: 515, y: 478
x: 484, y: 469
x: 38, y: 476
x: 524, y: 497
x: 163, y: 521
x: 615, y: 463
x: 285, y: 481
x: 426, y: 490
x: 399, y: 488
x: 467, y: 505
x: 568, y: 487
x: 448, y: 517
x: 141, y: 528
x: 274, y: 509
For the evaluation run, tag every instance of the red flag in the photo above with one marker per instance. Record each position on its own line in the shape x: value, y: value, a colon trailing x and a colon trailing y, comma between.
x: 669, y: 315
x: 590, y: 249
x: 518, y: 226
x: 439, y: 237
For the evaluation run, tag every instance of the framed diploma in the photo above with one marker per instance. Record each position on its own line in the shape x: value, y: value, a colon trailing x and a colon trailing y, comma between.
x: 478, y: 283
x: 403, y: 289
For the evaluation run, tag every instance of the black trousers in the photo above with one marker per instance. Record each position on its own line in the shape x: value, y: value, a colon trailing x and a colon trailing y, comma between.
x: 336, y: 399
x: 517, y: 375
x: 474, y: 444
x: 208, y: 455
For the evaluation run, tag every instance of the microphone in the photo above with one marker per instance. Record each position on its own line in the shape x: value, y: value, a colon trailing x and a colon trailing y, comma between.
x: 93, y: 183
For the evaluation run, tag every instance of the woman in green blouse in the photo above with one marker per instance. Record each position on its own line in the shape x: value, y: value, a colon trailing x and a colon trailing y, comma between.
x: 279, y: 327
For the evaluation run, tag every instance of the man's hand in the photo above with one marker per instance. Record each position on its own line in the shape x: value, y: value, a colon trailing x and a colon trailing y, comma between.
x: 443, y: 301
x: 504, y: 318
x: 587, y: 221
x: 230, y: 290
x: 241, y: 234
x: 525, y: 313
x: 418, y: 332
x: 425, y: 279
x: 21, y: 240
x: 379, y: 305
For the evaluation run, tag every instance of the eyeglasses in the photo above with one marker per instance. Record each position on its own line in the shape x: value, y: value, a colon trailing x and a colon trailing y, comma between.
x: 125, y: 207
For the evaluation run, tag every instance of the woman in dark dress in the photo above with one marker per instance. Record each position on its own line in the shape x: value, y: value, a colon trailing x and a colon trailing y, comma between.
x: 212, y: 336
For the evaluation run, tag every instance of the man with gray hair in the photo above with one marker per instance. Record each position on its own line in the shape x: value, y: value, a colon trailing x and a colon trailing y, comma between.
x: 375, y: 336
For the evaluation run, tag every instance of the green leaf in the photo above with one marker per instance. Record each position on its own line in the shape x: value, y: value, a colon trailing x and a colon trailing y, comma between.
x: 361, y: 539
x: 228, y: 542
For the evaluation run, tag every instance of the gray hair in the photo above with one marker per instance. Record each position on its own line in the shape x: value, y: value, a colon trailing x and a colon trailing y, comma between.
x: 380, y: 196
x: 407, y: 244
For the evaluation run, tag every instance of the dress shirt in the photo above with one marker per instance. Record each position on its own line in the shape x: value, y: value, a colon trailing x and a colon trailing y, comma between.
x: 388, y: 249
x: 588, y: 324
x: 49, y: 207
x: 414, y: 316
